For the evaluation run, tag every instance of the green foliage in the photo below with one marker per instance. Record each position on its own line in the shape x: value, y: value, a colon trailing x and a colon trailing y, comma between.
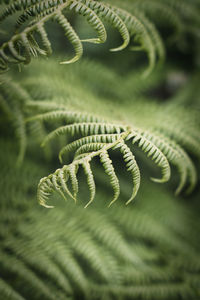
x: 31, y: 37
x: 161, y: 135
x: 150, y: 250
x: 94, y: 132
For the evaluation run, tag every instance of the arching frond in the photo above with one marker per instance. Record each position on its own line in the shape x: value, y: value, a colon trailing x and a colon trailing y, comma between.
x: 87, y: 135
x: 84, y: 129
x: 120, y: 252
x: 112, y: 127
x: 161, y: 149
x: 20, y: 47
x: 106, y: 12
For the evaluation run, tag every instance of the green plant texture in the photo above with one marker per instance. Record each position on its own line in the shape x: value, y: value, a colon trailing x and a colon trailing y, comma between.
x: 99, y: 149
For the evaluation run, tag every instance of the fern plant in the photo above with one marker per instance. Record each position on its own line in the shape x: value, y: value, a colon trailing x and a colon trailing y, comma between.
x: 94, y: 132
x: 92, y: 136
x: 35, y: 14
x: 150, y: 250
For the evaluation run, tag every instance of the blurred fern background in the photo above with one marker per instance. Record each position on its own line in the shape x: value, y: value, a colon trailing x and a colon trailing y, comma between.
x: 103, y: 128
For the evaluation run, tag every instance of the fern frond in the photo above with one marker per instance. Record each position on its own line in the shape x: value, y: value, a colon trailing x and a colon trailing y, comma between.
x: 90, y: 181
x: 102, y: 118
x: 8, y: 292
x: 88, y: 148
x: 100, y: 138
x: 142, y: 251
x: 132, y: 167
x: 16, y: 267
x: 109, y: 170
x: 24, y: 39
x: 158, y: 291
x: 72, y: 36
x: 45, y: 189
x: 62, y: 179
x: 90, y: 133
x: 68, y: 262
x: 155, y: 36
x: 176, y: 156
x: 84, y: 129
x: 107, y: 13
x: 161, y: 150
x: 45, y: 265
x: 51, y: 180
x: 23, y: 45
x: 28, y: 7
x: 68, y: 116
x: 162, y: 11
x: 187, y: 137
x: 138, y: 30
x: 92, y: 19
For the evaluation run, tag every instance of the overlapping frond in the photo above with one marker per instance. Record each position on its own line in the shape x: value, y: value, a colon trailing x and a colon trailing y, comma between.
x: 136, y: 23
x: 90, y: 137
x: 99, y: 138
x: 112, y: 130
x: 24, y: 43
x: 94, y: 253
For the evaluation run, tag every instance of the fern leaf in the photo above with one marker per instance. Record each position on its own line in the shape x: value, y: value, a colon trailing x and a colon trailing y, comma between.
x: 45, y: 188
x: 25, y: 37
x: 19, y: 269
x: 92, y: 19
x: 110, y: 235
x: 89, y: 147
x: 136, y: 27
x: 14, y: 52
x: 177, y: 156
x: 8, y: 292
x: 72, y: 269
x: 84, y: 129
x: 72, y: 36
x: 186, y: 136
x: 89, y: 251
x: 155, y: 37
x: 112, y: 245
x: 29, y: 8
x: 62, y: 178
x: 72, y: 169
x: 40, y: 261
x: 90, y: 181
x: 106, y: 12
x: 132, y: 167
x: 69, y: 116
x: 164, y: 12
x: 101, y: 138
x: 154, y: 290
x: 45, y: 40
x: 5, y: 58
x: 53, y: 10
x: 109, y: 170
x: 56, y: 185
x: 154, y: 152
